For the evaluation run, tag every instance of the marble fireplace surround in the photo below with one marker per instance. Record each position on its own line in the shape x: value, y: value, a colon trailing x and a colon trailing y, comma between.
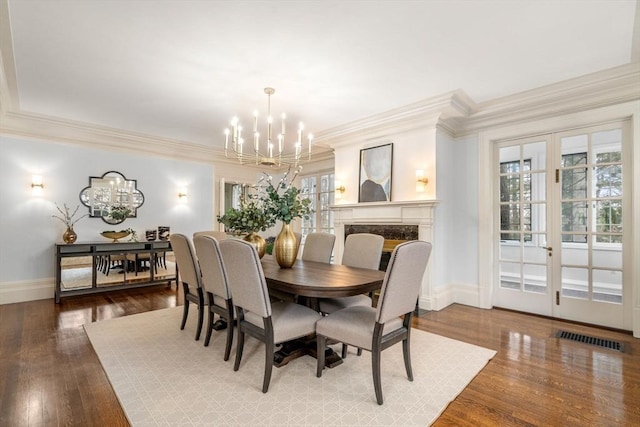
x: 420, y: 213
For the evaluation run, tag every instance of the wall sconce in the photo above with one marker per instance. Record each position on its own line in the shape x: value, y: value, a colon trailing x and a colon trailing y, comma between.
x: 36, y: 185
x: 422, y: 181
x: 339, y: 189
x: 182, y: 194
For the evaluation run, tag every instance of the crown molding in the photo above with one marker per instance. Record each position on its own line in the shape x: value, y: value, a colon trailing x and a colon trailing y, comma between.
x: 604, y: 88
x: 53, y: 129
x: 426, y: 113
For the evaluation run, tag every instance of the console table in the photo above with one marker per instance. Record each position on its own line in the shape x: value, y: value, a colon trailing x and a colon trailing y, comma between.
x: 86, y: 268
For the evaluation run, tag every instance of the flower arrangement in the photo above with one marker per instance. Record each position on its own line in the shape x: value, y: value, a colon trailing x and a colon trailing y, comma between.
x: 250, y: 218
x: 66, y: 217
x: 283, y: 201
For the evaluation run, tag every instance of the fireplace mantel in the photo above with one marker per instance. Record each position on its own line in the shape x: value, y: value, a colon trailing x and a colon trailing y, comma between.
x: 414, y: 212
x: 409, y: 212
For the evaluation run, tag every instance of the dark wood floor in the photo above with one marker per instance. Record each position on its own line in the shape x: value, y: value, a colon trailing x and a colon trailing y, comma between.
x: 49, y: 374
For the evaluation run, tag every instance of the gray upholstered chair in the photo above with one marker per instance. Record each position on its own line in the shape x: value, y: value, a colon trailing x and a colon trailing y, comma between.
x: 219, y: 235
x: 214, y: 282
x: 375, y: 329
x: 256, y: 316
x: 361, y: 250
x: 318, y: 247
x: 190, y: 277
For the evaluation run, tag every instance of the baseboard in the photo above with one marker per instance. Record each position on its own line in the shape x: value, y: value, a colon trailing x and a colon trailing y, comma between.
x: 26, y: 290
x: 453, y: 293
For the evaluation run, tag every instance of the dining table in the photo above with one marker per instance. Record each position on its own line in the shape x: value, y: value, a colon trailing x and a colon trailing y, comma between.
x: 307, y: 281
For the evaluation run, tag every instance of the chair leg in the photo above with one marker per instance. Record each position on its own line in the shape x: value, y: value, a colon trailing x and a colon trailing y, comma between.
x: 344, y: 351
x: 201, y: 308
x: 239, y: 347
x: 185, y: 312
x: 268, y: 364
x: 406, y: 351
x: 321, y: 345
x: 227, y: 350
x: 209, y: 329
x: 359, y: 352
x: 375, y: 366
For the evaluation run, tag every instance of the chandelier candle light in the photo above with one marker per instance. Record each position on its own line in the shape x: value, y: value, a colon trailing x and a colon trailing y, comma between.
x: 269, y: 154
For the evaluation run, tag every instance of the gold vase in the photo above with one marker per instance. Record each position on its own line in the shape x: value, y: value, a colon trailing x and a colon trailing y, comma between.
x: 286, y: 247
x: 69, y: 236
x: 257, y: 241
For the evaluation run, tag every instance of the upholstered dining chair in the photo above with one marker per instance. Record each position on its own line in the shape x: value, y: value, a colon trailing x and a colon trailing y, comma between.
x: 256, y: 316
x: 214, y: 282
x: 219, y: 235
x: 190, y: 277
x: 376, y: 329
x: 361, y: 250
x: 318, y: 247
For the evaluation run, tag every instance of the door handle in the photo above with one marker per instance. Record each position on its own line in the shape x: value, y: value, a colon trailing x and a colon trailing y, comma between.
x: 549, y: 250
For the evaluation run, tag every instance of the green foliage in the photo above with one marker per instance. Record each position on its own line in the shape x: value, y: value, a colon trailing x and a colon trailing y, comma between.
x: 251, y: 217
x: 119, y: 213
x: 287, y: 205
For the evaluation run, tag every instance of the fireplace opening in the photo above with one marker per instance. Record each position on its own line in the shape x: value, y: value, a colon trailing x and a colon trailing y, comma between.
x: 393, y: 234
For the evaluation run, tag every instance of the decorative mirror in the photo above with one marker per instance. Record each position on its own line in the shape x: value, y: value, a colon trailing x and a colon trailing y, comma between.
x: 112, y: 197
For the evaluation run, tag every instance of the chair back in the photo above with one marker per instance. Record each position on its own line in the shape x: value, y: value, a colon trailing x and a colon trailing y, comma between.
x: 318, y: 247
x: 219, y: 235
x: 186, y: 259
x: 245, y: 276
x: 402, y: 281
x: 214, y: 275
x: 363, y: 250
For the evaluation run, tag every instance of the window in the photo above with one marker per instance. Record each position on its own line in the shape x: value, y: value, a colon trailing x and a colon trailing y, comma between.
x: 512, y: 198
x: 606, y: 200
x: 320, y: 189
x: 574, y: 197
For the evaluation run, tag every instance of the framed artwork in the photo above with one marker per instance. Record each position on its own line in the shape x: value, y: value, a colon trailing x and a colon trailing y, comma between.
x: 375, y: 174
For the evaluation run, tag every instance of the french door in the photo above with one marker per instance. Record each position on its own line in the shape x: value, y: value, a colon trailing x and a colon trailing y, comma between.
x: 559, y: 220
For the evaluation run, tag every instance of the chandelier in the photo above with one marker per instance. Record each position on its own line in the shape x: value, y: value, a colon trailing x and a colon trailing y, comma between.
x: 267, y: 151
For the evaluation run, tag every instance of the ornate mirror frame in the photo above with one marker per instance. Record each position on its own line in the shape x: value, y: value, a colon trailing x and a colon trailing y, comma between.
x: 112, y: 197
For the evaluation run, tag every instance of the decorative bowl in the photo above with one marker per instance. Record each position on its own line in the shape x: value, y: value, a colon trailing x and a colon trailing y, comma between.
x: 115, y: 235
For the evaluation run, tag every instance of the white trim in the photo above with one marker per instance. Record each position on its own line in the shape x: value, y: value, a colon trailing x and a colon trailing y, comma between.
x: 487, y: 269
x: 26, y: 290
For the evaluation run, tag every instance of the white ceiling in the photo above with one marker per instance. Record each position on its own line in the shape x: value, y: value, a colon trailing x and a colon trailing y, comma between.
x: 182, y: 69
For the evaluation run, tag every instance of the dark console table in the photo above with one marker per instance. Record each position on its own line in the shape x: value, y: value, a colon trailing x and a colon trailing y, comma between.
x: 86, y: 268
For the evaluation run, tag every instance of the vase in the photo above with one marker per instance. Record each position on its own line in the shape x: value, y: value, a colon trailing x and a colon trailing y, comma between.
x: 257, y: 241
x: 69, y: 236
x: 286, y: 247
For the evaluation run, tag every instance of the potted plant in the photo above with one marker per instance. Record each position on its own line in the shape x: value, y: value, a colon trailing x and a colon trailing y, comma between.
x: 285, y: 202
x: 248, y: 220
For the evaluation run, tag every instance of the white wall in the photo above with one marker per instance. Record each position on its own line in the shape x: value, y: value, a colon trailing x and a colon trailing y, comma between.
x: 457, y: 213
x: 415, y: 149
x: 28, y: 232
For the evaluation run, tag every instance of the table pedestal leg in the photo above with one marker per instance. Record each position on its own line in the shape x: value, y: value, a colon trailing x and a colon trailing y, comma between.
x: 293, y: 349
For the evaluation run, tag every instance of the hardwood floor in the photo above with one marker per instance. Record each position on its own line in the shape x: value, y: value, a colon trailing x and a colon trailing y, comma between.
x: 49, y: 374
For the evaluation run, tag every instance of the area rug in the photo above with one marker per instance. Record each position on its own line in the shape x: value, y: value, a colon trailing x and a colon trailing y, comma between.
x: 163, y: 377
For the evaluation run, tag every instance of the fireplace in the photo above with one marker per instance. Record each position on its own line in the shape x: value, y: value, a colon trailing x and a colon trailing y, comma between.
x: 393, y: 234
x: 396, y: 222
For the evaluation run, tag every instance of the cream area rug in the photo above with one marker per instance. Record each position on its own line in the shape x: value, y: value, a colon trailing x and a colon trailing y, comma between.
x: 163, y: 377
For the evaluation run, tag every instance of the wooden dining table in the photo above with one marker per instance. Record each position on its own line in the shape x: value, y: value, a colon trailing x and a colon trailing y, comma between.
x: 314, y: 280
